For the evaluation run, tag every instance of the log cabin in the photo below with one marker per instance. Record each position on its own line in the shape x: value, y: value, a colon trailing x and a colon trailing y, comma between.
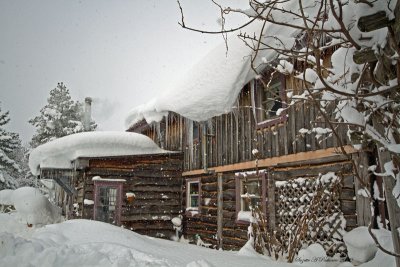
x: 247, y: 142
x: 244, y: 142
x: 115, y: 177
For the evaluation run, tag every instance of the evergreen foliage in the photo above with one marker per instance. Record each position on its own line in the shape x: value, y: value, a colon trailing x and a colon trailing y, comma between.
x: 60, y: 117
x: 9, y: 142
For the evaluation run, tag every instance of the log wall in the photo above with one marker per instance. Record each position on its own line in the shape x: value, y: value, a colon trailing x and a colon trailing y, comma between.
x: 234, y: 233
x: 156, y: 182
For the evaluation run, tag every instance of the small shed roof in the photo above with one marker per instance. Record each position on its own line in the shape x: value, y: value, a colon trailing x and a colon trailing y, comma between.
x: 60, y: 152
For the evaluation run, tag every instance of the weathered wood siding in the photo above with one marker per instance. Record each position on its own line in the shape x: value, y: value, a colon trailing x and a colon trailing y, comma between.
x: 230, y: 138
x: 234, y: 233
x: 156, y: 182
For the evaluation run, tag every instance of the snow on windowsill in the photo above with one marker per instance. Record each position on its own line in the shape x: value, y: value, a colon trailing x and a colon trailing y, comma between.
x: 192, y: 211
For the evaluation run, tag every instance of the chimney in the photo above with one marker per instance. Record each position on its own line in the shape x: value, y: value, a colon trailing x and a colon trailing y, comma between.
x: 87, y: 116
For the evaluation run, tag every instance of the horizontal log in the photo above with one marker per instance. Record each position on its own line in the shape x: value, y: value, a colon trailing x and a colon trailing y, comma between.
x: 208, y: 219
x: 149, y: 217
x: 234, y: 234
x: 156, y: 195
x: 351, y: 221
x: 158, y: 201
x: 348, y: 181
x: 229, y: 205
x: 365, y: 55
x: 348, y: 207
x: 148, y: 225
x: 157, y: 210
x: 229, y: 215
x: 143, y: 188
x: 209, y: 179
x: 162, y: 181
x: 211, y: 187
x: 165, y: 234
x: 229, y: 195
x: 347, y: 194
x: 206, y: 194
x: 237, y: 243
x: 374, y: 22
x: 109, y: 172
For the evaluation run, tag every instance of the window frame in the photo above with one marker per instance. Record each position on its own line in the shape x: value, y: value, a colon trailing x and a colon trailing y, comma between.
x: 282, y: 117
x: 188, y: 197
x: 109, y: 184
x: 239, y: 179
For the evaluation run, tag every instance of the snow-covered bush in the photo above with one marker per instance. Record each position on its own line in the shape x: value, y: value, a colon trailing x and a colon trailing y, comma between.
x: 33, y: 208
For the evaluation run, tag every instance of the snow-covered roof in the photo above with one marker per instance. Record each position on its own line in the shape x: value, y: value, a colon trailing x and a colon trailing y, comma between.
x: 60, y: 152
x: 212, y: 86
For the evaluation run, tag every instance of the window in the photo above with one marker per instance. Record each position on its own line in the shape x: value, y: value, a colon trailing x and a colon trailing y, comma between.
x: 270, y: 101
x: 250, y: 193
x: 108, y: 201
x: 192, y: 196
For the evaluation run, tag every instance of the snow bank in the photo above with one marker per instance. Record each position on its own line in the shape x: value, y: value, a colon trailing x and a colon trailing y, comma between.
x: 60, y: 152
x: 33, y: 208
x: 211, y: 87
x: 382, y: 259
x: 314, y: 255
x: 5, y: 197
x: 78, y: 243
x: 360, y: 245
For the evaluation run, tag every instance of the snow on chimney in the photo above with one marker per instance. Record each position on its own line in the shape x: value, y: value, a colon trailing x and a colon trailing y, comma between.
x: 87, y: 116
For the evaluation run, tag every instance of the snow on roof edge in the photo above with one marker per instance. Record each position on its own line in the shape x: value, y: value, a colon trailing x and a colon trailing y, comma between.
x: 212, y: 86
x: 61, y: 152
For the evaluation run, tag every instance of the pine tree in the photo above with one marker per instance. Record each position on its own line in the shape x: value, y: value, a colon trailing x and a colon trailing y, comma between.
x: 9, y: 142
x: 60, y: 117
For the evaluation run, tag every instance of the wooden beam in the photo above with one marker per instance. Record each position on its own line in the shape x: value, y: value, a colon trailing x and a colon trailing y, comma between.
x: 374, y: 22
x: 270, y: 162
x: 365, y: 55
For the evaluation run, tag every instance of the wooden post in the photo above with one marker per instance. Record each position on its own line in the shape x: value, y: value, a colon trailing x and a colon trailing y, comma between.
x: 363, y: 205
x: 271, y: 201
x: 388, y: 183
x: 220, y: 209
x: 393, y: 208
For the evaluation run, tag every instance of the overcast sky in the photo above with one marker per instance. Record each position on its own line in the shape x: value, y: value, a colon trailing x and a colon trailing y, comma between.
x: 120, y: 53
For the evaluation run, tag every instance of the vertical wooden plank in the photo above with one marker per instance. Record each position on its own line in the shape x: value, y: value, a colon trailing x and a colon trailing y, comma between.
x: 226, y: 147
x: 312, y: 135
x: 292, y: 126
x: 271, y: 200
x: 242, y: 134
x: 392, y: 207
x: 236, y: 139
x: 307, y: 125
x: 300, y: 125
x: 362, y: 203
x: 277, y: 142
x: 249, y: 135
x: 220, y: 199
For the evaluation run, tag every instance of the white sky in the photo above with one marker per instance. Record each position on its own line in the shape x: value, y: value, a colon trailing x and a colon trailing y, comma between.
x: 121, y: 53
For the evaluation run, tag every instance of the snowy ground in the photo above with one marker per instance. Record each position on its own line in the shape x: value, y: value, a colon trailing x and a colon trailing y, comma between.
x: 92, y: 243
